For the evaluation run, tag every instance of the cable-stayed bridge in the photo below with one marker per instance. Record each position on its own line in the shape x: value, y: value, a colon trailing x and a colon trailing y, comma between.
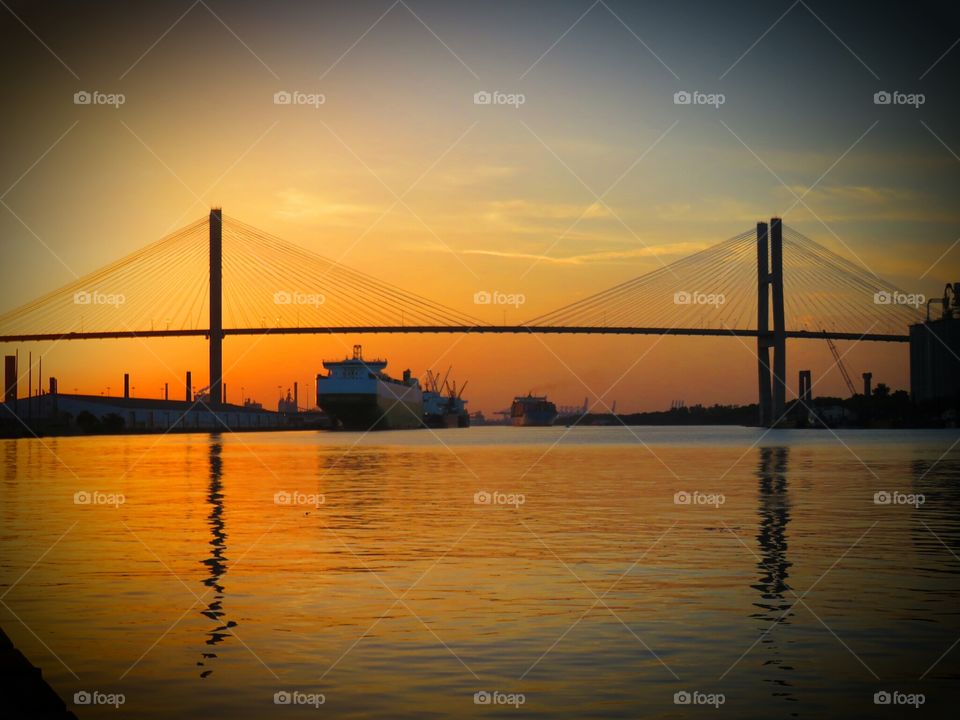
x: 218, y: 277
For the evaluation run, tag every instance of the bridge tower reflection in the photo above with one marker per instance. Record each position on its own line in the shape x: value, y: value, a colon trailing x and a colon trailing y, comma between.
x: 216, y: 563
x: 773, y: 567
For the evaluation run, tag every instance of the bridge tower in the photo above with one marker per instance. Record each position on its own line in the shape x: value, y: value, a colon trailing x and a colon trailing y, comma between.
x: 772, y: 386
x: 216, y: 307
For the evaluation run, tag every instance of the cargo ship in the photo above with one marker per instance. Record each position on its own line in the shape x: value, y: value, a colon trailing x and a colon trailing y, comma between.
x: 532, y: 411
x: 444, y: 410
x: 358, y: 395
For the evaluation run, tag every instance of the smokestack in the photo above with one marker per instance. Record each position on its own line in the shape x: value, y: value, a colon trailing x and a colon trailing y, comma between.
x: 126, y: 385
x: 189, y: 387
x: 10, y: 378
x: 867, y: 377
x: 224, y: 392
x: 166, y: 391
x: 53, y: 385
x: 296, y: 396
x: 805, y: 393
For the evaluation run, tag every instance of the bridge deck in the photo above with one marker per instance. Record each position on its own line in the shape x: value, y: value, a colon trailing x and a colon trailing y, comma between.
x: 488, y: 329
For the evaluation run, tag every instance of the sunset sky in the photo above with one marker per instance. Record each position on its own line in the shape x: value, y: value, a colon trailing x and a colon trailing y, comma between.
x: 596, y: 178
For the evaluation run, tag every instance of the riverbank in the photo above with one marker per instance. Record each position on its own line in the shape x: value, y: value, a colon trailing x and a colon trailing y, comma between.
x: 26, y: 695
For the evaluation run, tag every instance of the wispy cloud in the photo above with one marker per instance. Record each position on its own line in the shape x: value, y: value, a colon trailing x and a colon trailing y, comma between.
x: 500, y: 210
x: 600, y: 256
x: 296, y: 204
x: 840, y: 203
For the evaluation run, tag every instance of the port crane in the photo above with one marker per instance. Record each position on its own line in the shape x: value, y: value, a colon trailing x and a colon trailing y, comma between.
x: 839, y: 363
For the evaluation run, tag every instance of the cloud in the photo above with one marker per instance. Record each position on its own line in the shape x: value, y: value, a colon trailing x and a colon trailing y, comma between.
x: 295, y: 204
x: 474, y: 175
x: 847, y: 203
x: 500, y: 210
x: 601, y: 256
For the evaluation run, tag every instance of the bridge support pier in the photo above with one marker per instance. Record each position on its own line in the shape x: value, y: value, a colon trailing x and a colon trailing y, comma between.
x: 764, y: 398
x: 216, y: 308
x: 772, y: 386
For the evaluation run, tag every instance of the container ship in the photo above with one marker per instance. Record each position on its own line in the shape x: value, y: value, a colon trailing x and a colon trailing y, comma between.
x: 358, y: 395
x: 532, y: 411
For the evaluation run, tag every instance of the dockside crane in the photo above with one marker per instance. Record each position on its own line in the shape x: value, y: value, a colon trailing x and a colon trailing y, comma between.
x: 839, y: 363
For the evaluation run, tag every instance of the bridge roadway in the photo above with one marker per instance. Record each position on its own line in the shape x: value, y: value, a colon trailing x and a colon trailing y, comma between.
x: 494, y: 329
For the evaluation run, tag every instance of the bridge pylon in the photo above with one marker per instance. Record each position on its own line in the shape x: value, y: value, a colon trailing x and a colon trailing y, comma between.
x: 216, y: 308
x: 772, y: 385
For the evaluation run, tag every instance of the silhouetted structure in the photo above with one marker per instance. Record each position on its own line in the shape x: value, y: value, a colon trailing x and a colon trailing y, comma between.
x: 24, y: 691
x: 10, y: 379
x: 772, y: 391
x: 216, y: 307
x: 935, y: 353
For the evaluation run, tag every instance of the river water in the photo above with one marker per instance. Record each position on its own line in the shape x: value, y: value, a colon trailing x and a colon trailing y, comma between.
x: 587, y: 572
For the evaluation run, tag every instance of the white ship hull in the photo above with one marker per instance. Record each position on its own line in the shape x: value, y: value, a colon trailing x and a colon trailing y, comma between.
x: 370, y: 403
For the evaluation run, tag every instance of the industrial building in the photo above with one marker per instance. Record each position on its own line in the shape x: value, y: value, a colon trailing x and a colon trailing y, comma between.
x: 52, y: 411
x: 935, y: 353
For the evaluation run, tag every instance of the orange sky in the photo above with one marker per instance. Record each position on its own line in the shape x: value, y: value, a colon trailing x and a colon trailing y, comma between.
x: 491, y: 197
